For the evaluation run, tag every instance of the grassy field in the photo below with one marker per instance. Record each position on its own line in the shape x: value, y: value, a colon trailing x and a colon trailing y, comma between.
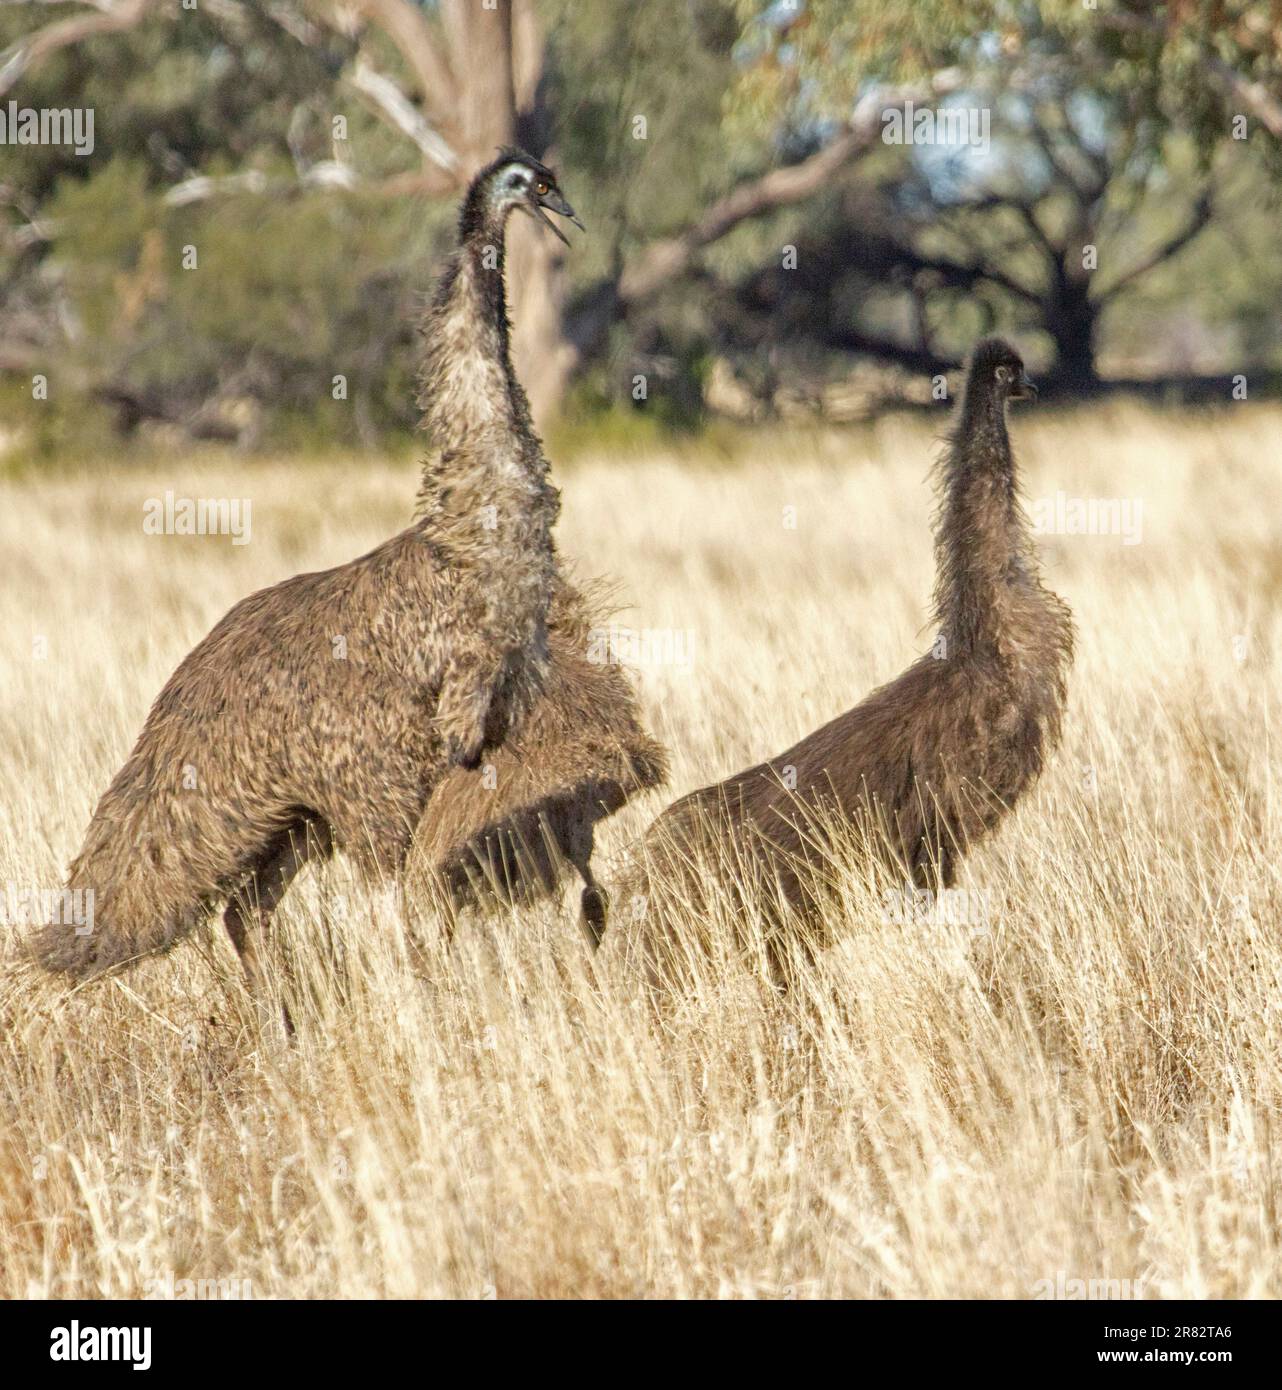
x: 1086, y: 1085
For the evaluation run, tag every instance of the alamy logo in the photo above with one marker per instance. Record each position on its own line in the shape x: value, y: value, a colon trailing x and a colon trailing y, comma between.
x: 650, y: 646
x: 197, y: 516
x: 1062, y: 1287
x: 50, y: 125
x: 924, y: 907
x: 48, y: 907
x: 951, y: 125
x: 76, y: 1343
x: 165, y: 1287
x: 1062, y: 515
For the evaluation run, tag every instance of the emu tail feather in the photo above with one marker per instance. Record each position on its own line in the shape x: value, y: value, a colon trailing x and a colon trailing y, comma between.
x: 131, y: 900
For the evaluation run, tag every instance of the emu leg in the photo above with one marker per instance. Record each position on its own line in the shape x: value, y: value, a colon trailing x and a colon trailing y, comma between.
x: 934, y: 864
x: 594, y: 907
x: 248, y: 917
x: 594, y: 903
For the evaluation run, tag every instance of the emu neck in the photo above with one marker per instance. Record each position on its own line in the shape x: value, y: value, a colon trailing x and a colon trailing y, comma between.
x: 982, y: 541
x: 467, y: 385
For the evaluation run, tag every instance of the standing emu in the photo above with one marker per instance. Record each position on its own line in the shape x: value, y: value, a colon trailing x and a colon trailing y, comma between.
x: 931, y: 762
x: 321, y: 713
x: 507, y: 834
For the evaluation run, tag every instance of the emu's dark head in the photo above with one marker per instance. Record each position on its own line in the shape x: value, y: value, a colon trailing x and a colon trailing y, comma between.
x: 518, y: 180
x: 996, y: 368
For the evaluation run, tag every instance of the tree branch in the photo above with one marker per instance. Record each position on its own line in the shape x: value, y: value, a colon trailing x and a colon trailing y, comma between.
x: 1025, y: 208
x: 328, y: 173
x: 1028, y: 215
x: 958, y: 274
x: 914, y: 359
x: 411, y: 34
x: 32, y: 49
x: 1258, y: 100
x: 665, y: 260
x: 1084, y: 191
x: 399, y: 112
x: 1198, y: 219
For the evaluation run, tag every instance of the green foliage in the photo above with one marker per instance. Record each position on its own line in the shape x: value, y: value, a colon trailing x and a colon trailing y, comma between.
x: 289, y: 287
x: 817, y: 56
x: 637, y: 110
x: 264, y: 298
x: 43, y: 433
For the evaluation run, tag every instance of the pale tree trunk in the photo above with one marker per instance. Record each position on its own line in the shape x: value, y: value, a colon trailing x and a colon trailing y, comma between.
x: 497, y: 57
x: 542, y: 354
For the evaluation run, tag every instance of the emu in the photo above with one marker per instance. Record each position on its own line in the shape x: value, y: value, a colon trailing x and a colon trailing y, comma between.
x: 931, y: 762
x: 580, y: 755
x: 320, y: 713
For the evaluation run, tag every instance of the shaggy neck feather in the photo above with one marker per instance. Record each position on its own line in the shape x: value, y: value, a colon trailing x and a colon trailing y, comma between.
x: 485, y: 454
x: 982, y: 540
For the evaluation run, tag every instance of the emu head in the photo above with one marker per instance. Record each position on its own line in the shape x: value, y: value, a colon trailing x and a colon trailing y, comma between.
x: 997, y: 369
x: 518, y: 180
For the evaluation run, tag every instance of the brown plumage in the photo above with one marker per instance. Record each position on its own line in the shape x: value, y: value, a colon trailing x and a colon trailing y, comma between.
x: 930, y: 763
x: 323, y: 711
x: 509, y: 830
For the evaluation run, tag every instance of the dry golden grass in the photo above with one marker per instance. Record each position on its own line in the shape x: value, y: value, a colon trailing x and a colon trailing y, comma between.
x: 1090, y: 1090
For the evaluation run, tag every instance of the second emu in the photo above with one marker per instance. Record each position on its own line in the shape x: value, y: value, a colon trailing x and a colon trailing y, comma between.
x: 930, y: 763
x: 322, y: 712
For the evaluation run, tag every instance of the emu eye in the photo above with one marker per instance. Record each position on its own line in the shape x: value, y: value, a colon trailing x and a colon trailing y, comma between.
x: 541, y: 187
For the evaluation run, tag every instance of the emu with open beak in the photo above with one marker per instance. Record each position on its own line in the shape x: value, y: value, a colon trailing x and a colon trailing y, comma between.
x: 554, y: 202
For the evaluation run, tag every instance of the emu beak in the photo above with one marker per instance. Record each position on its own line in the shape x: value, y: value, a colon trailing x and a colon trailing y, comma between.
x: 553, y: 201
x: 1024, y: 389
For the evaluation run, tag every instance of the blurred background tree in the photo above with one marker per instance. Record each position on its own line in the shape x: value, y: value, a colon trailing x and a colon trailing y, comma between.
x: 244, y: 253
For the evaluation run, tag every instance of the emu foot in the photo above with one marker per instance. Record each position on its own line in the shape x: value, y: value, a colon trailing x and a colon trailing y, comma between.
x: 594, y: 905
